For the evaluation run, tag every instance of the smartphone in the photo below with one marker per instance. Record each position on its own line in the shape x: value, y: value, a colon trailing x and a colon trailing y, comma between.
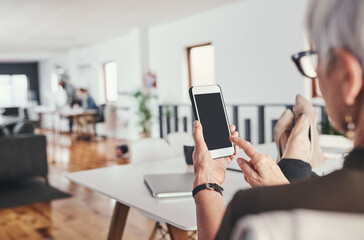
x: 209, y: 108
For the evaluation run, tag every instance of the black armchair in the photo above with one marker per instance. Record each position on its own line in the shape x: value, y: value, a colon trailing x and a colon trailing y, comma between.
x: 23, y: 156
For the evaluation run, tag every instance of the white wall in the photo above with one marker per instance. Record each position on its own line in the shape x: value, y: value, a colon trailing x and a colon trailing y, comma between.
x: 253, y: 41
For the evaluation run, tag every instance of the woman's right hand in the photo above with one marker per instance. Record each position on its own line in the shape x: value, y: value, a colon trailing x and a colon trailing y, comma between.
x: 208, y: 170
x: 261, y: 170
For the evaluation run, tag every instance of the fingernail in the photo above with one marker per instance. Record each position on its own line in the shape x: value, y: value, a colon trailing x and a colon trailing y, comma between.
x: 195, y: 123
x: 240, y: 161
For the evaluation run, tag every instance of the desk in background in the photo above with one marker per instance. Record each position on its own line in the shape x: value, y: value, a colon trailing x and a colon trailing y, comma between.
x: 78, y: 113
x: 6, y: 121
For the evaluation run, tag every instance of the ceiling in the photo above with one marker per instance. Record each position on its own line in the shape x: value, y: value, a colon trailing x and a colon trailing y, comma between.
x: 34, y: 30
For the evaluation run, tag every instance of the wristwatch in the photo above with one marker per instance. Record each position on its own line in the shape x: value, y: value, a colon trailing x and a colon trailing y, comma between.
x: 208, y: 186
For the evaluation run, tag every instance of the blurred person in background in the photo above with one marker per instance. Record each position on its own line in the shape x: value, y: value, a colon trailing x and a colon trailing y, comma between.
x: 71, y: 95
x: 86, y: 103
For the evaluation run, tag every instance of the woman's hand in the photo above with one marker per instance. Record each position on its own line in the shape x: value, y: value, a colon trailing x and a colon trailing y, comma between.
x: 261, y: 170
x: 208, y: 170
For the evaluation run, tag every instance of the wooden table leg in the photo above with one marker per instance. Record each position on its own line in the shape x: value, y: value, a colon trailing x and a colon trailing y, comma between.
x: 154, y: 232
x: 118, y: 221
x: 176, y: 233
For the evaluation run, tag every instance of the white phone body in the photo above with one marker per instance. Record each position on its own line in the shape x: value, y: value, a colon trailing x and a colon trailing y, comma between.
x: 200, y: 95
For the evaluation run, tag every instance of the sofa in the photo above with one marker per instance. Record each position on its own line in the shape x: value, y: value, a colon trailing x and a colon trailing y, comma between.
x: 23, y: 154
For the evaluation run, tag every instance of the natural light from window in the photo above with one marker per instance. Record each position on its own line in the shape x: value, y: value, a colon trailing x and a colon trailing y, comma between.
x: 111, y: 82
x: 14, y: 90
x: 202, y: 65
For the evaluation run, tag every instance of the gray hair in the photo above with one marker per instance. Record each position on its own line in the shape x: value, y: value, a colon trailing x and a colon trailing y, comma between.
x: 336, y: 24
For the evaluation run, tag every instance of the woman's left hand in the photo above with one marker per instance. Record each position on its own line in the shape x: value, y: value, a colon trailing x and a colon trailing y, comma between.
x: 208, y: 170
x: 261, y: 170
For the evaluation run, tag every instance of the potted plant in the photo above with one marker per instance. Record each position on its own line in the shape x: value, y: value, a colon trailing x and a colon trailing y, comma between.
x: 144, y: 112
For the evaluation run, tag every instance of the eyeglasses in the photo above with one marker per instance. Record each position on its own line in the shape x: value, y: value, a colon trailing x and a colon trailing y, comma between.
x: 306, y: 63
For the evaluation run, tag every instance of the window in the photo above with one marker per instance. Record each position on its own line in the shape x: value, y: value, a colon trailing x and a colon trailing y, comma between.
x: 111, y: 82
x: 201, y: 64
x: 14, y: 90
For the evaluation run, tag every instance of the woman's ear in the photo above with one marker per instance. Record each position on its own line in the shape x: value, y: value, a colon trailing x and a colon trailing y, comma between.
x: 352, y: 78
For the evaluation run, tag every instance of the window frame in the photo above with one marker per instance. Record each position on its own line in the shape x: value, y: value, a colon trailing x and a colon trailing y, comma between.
x: 189, y: 60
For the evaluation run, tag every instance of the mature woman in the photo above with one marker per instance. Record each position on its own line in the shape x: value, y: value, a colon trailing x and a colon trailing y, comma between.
x: 337, y: 34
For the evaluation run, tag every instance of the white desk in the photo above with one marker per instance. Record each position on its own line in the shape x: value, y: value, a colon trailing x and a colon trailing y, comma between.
x: 126, y: 185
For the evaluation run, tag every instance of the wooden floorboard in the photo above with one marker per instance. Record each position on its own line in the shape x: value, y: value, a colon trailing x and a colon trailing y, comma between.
x: 87, y: 214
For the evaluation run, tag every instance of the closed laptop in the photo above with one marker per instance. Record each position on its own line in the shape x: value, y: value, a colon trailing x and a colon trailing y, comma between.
x: 170, y: 185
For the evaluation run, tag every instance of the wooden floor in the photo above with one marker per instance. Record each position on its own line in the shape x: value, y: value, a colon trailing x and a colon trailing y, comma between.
x: 87, y: 214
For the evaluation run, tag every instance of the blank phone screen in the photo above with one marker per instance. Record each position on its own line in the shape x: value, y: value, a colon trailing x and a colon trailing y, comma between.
x: 212, y: 117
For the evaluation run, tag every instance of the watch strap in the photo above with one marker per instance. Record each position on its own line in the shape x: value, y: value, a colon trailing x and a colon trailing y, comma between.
x: 207, y: 186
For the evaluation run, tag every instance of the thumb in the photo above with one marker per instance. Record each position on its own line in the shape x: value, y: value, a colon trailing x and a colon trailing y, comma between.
x: 198, y: 135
